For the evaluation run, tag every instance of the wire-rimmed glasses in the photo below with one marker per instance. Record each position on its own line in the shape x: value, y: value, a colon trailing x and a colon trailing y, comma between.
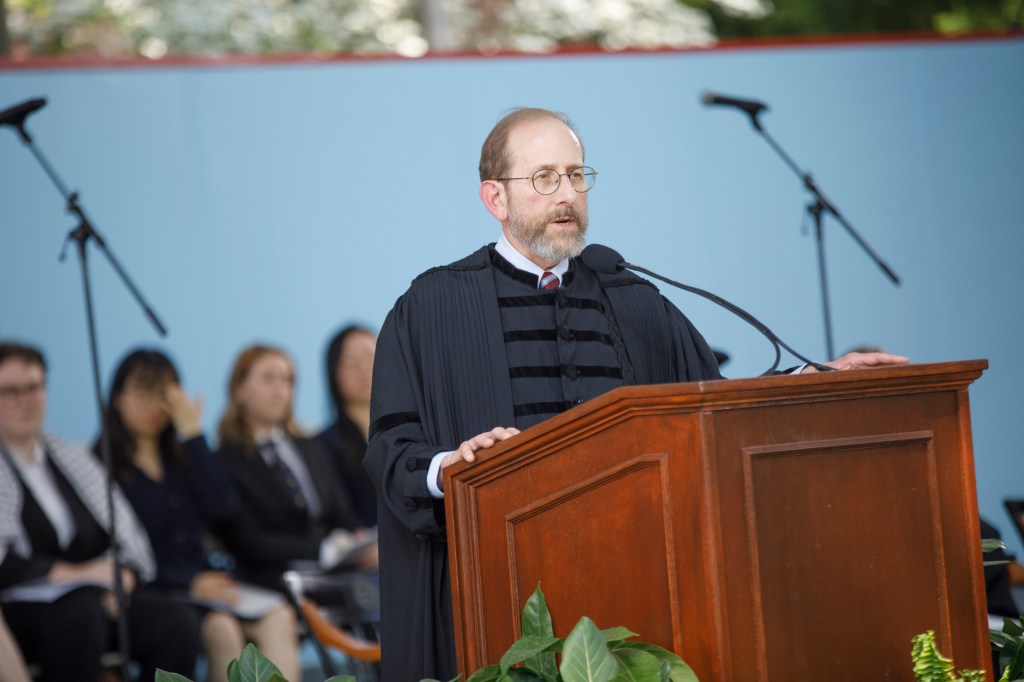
x: 547, y: 180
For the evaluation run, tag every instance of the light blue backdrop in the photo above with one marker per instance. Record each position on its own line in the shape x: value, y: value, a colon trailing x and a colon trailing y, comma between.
x: 276, y: 202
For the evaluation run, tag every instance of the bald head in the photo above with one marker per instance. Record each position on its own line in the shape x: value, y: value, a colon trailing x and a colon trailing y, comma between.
x: 496, y: 153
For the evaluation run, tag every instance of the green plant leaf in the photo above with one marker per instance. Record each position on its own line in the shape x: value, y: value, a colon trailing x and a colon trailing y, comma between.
x: 637, y: 666
x: 585, y: 655
x: 521, y: 675
x: 536, y: 617
x: 276, y: 678
x: 234, y: 672
x: 546, y: 675
x: 490, y: 673
x: 999, y: 638
x: 992, y: 544
x: 341, y: 678
x: 679, y: 671
x: 164, y: 676
x: 1012, y: 656
x: 524, y: 649
x: 1010, y: 643
x: 253, y: 666
x: 1012, y: 627
x: 537, y: 623
x: 617, y: 634
x: 929, y: 664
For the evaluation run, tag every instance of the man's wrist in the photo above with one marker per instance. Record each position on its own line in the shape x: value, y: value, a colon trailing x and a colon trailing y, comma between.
x: 434, y: 475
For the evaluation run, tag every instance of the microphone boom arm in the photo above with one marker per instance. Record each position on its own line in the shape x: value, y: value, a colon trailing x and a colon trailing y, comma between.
x: 742, y: 314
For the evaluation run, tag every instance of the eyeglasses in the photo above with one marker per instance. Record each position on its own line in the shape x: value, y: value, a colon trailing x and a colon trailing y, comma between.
x: 24, y: 391
x: 546, y: 180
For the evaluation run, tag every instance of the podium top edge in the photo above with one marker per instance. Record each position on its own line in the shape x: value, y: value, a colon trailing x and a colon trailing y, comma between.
x: 925, y: 374
x: 727, y: 394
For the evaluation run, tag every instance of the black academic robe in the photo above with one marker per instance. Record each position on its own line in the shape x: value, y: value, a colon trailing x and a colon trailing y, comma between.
x: 441, y: 377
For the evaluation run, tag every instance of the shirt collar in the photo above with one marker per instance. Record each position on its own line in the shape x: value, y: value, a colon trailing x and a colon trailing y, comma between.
x: 37, y: 460
x: 512, y: 255
x: 275, y: 437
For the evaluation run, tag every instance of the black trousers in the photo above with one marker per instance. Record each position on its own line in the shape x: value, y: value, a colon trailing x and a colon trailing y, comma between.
x: 67, y: 638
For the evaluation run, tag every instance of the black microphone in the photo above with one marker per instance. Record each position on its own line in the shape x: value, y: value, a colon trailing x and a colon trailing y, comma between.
x: 751, y: 106
x: 603, y: 259
x: 17, y: 114
x: 607, y: 261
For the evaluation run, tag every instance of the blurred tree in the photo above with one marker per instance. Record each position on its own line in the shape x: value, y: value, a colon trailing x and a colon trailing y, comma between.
x: 5, y: 40
x: 759, y: 18
x: 155, y: 28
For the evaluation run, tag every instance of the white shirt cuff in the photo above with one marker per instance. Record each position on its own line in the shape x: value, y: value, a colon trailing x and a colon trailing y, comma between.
x: 435, y: 466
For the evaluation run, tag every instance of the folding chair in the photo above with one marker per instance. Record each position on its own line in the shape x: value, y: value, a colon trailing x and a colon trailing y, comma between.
x: 340, y: 611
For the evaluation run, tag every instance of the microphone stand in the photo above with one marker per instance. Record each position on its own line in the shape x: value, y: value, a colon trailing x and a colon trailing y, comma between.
x: 816, y: 209
x: 81, y: 235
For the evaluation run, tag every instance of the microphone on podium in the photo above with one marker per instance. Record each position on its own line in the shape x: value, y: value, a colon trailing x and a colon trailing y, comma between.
x: 608, y: 261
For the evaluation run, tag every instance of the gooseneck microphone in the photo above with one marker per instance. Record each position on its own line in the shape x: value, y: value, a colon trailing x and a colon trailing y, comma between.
x: 605, y: 260
x: 752, y: 107
x: 16, y: 115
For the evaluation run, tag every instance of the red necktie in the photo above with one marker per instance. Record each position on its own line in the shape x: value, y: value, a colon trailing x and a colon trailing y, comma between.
x: 548, y: 280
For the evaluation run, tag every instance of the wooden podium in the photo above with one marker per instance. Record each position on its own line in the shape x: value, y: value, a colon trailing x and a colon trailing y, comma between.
x: 784, y: 528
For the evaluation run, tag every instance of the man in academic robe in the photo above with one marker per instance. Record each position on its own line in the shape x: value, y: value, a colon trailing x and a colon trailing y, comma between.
x: 478, y: 350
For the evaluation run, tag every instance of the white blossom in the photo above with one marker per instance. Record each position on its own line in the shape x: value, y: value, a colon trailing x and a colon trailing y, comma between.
x: 156, y: 28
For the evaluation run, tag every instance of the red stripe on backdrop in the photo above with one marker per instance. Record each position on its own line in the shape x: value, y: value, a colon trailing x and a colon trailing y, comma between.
x: 235, y: 61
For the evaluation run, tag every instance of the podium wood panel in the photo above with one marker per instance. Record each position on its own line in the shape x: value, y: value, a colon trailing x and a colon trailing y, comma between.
x: 782, y: 528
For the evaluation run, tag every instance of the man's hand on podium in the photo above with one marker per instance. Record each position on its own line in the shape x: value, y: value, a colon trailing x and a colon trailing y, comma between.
x: 861, y: 361
x: 468, y: 449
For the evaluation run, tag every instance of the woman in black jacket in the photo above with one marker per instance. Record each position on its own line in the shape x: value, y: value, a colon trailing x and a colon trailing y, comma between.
x: 179, y: 489
x: 349, y: 366
x: 292, y: 506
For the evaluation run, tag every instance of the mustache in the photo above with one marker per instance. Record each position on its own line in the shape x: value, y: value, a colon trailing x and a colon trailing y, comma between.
x: 567, y: 212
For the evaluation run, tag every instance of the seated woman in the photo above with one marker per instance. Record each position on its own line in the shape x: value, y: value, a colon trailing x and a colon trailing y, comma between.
x: 292, y: 507
x: 177, y: 486
x: 350, y: 379
x: 53, y: 528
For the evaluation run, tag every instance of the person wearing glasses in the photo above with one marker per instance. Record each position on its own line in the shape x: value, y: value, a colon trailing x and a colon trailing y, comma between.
x: 54, y: 523
x: 478, y: 350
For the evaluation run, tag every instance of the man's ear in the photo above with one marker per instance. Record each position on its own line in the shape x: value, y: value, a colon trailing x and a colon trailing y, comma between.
x: 495, y: 199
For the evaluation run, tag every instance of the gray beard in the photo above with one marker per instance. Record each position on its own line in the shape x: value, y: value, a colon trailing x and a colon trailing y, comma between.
x: 536, y: 240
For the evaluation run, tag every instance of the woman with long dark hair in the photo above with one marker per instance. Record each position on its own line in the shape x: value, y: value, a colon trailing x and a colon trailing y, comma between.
x: 178, y: 489
x: 349, y: 365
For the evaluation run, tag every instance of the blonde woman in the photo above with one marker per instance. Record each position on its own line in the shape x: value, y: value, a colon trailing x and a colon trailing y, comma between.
x: 292, y: 507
